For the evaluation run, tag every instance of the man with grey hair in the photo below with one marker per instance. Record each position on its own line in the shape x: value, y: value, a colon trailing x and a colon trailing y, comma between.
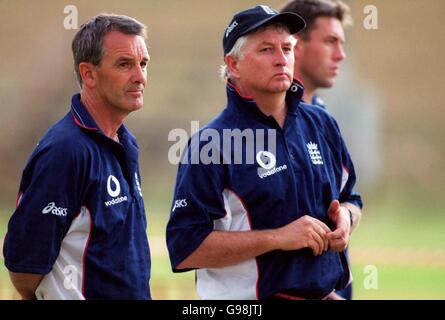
x: 79, y: 228
x: 272, y: 228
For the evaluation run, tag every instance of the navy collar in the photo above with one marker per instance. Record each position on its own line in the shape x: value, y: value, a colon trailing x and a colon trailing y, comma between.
x: 248, y: 104
x: 317, y: 101
x: 294, y: 96
x: 81, y: 116
x: 83, y: 119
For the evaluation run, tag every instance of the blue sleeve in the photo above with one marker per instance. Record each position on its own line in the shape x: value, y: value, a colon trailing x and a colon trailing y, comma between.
x: 49, y: 199
x: 197, y: 202
x: 348, y: 179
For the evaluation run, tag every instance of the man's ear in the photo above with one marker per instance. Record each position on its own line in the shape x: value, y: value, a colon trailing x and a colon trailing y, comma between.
x: 232, y: 66
x: 88, y: 74
x: 299, y: 47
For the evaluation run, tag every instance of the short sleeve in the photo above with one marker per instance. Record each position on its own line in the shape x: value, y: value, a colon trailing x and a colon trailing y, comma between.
x: 197, y: 201
x: 349, y: 178
x: 49, y: 199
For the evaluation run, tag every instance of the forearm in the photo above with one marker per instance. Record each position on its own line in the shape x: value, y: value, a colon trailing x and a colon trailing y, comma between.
x: 26, y: 284
x: 225, y: 248
x: 356, y: 215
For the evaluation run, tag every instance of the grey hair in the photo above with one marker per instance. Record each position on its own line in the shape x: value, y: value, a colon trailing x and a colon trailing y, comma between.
x: 237, y: 50
x: 237, y: 53
x: 87, y: 45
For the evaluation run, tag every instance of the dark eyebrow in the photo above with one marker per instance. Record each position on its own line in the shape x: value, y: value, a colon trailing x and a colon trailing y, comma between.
x: 125, y: 58
x: 336, y: 38
x: 131, y: 59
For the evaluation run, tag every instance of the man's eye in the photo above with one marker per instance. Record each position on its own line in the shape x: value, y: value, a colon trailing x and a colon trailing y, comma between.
x: 266, y: 49
x: 123, y: 65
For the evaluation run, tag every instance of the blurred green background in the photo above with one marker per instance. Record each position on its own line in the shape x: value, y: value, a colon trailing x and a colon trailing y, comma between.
x: 388, y: 101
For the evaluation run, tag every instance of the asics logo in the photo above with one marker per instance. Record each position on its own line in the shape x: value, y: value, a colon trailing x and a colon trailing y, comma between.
x: 181, y: 203
x: 53, y: 209
x: 113, y: 192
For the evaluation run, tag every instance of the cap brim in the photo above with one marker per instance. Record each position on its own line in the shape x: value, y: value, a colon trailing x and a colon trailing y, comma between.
x: 293, y: 21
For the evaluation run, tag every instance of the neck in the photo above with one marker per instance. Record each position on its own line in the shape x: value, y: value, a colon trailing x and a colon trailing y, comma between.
x: 309, y: 88
x: 308, y: 96
x: 105, y: 117
x: 271, y: 104
x: 309, y: 91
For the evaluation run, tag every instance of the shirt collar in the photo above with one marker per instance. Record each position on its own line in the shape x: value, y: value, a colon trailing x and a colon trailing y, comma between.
x: 317, y: 101
x: 83, y: 119
x: 81, y: 116
x: 293, y: 98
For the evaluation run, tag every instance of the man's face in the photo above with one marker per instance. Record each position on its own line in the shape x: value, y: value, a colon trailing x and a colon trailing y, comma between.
x: 122, y: 72
x: 317, y: 59
x: 266, y: 64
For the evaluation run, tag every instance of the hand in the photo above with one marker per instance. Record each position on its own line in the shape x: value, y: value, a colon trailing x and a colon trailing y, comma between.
x: 305, y: 232
x: 339, y: 238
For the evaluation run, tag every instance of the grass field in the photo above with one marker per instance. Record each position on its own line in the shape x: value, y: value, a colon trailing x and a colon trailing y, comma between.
x: 403, y: 243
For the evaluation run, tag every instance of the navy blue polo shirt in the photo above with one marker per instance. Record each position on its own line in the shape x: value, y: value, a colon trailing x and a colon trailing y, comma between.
x: 346, y: 292
x: 80, y: 217
x: 309, y: 168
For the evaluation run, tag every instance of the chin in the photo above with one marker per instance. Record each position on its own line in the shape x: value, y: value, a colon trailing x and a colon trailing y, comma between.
x: 328, y: 83
x: 135, y: 105
x: 282, y: 87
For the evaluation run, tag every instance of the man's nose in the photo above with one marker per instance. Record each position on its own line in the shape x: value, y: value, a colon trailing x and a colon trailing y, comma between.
x: 339, y: 53
x: 139, y: 75
x: 281, y: 58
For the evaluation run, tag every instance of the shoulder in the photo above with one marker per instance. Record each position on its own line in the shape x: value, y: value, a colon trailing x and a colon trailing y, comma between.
x: 324, y: 122
x: 64, y: 141
x: 317, y: 113
x: 318, y: 101
x: 224, y: 120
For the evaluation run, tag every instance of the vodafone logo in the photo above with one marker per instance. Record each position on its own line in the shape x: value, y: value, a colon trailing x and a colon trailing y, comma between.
x: 266, y: 160
x: 113, y: 186
x: 114, y: 190
x: 294, y: 88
